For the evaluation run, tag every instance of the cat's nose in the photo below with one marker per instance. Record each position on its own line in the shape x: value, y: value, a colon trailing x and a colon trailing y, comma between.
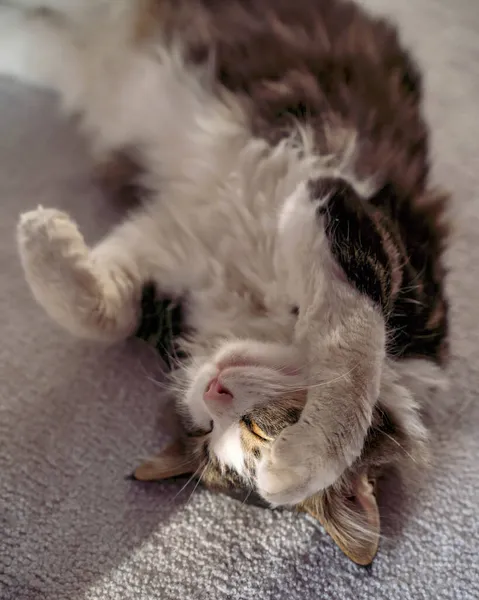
x: 216, y: 392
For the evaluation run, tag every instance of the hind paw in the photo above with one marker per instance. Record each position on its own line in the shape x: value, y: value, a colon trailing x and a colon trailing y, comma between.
x: 48, y: 235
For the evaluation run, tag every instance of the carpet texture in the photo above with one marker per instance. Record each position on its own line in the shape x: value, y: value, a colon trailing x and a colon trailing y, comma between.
x: 76, y: 418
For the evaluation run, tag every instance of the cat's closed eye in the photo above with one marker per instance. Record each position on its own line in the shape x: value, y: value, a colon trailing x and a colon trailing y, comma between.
x: 254, y: 429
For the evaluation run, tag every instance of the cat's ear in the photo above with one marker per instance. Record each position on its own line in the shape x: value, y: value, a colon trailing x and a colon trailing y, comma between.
x: 175, y: 460
x: 352, y: 521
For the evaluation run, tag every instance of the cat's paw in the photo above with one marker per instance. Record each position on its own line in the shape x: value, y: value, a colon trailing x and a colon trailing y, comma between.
x: 297, y: 467
x: 53, y: 254
x: 55, y: 260
x: 58, y: 268
x: 47, y: 235
x: 89, y: 298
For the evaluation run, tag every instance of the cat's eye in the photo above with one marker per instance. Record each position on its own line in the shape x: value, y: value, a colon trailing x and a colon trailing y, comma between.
x: 256, y: 430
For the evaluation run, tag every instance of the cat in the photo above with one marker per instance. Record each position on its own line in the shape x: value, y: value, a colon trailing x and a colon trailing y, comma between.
x: 282, y: 157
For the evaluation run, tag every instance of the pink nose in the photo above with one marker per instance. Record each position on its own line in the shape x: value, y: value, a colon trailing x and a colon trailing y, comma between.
x: 216, y: 392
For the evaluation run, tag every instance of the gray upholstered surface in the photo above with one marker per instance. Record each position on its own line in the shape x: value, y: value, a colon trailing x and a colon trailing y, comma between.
x: 74, y: 418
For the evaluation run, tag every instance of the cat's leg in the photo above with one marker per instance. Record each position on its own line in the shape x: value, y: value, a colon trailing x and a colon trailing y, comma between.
x: 89, y: 295
x: 345, y: 359
x: 95, y: 293
x: 344, y: 334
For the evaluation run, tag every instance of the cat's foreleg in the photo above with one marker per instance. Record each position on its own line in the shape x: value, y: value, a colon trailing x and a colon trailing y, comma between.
x: 346, y: 355
x: 95, y: 292
x: 342, y: 332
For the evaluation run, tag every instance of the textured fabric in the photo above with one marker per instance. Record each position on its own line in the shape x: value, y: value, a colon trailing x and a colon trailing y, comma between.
x: 75, y: 418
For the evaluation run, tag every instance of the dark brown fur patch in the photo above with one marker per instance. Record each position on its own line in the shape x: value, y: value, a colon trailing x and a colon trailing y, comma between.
x: 396, y: 261
x: 356, y: 241
x: 321, y: 61
x: 118, y: 176
x: 280, y: 413
x: 256, y: 452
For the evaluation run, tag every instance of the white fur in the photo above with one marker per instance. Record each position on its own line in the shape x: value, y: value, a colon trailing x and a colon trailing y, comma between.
x: 227, y: 447
x: 231, y: 222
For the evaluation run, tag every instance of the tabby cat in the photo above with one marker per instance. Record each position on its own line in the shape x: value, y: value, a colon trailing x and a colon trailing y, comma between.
x: 282, y: 160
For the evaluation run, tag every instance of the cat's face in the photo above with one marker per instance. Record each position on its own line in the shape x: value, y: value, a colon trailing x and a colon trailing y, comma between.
x: 238, y: 401
x: 244, y: 395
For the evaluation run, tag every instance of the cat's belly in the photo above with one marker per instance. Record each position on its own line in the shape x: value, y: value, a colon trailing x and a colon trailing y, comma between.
x: 235, y: 306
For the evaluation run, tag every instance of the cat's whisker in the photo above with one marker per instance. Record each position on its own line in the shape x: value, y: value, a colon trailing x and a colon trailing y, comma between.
x: 408, y: 454
x: 285, y: 386
x: 193, y: 475
x: 197, y: 483
x: 247, y: 496
x: 163, y: 386
x: 414, y: 301
x: 335, y: 379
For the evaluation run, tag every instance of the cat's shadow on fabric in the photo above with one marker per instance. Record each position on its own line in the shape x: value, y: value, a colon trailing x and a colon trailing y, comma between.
x: 82, y: 456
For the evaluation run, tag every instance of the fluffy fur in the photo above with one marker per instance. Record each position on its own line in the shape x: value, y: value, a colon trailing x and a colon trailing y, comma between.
x: 250, y: 203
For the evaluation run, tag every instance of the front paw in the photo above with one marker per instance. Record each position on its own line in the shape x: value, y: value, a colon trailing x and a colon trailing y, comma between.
x: 300, y: 465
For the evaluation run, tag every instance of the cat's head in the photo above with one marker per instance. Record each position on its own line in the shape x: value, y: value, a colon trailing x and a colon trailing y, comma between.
x: 239, y: 402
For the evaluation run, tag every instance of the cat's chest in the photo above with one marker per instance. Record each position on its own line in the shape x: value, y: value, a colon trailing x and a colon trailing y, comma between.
x: 245, y: 292
x: 245, y: 289
x: 232, y: 312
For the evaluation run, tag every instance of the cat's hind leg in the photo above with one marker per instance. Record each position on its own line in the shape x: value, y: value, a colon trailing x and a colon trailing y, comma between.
x: 96, y: 292
x: 91, y: 293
